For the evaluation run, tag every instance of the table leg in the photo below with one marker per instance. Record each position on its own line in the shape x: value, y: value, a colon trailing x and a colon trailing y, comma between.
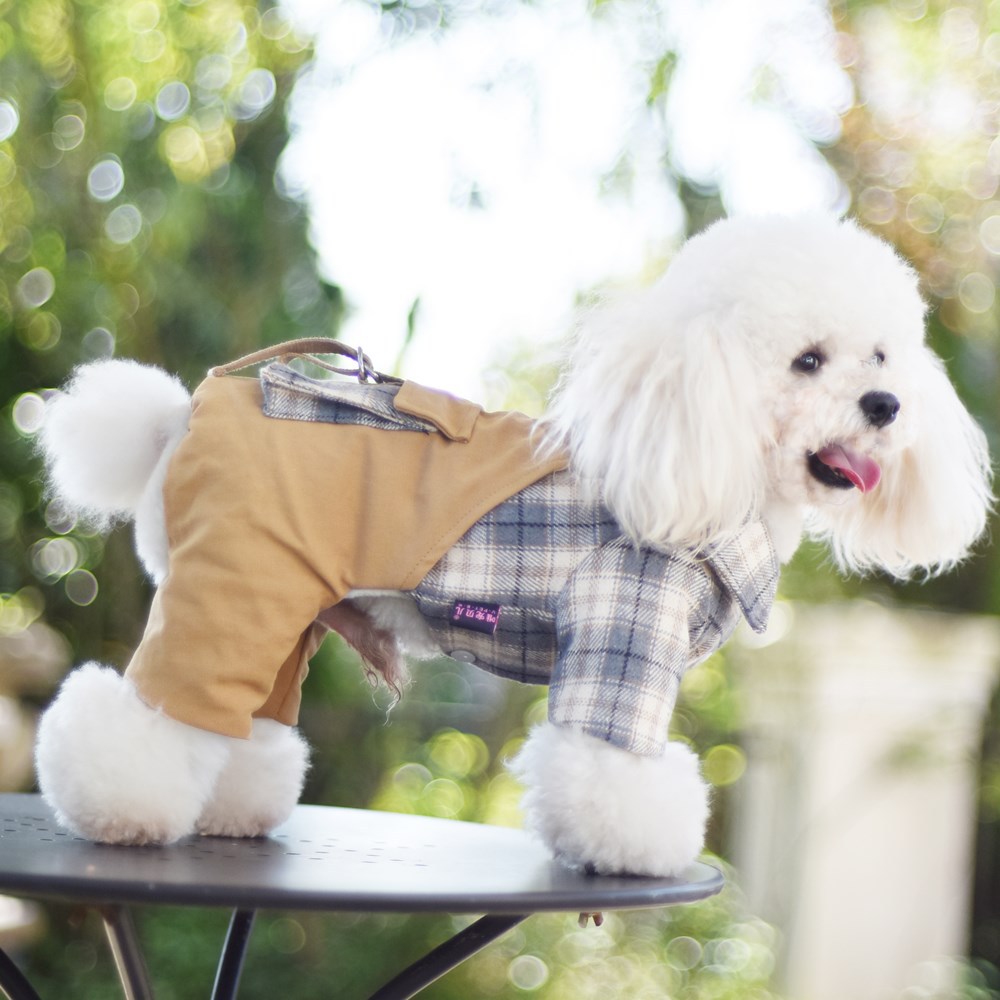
x: 234, y: 951
x: 446, y: 956
x: 127, y: 954
x: 12, y: 982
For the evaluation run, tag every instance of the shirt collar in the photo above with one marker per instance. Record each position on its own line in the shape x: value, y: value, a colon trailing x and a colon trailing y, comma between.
x: 747, y: 566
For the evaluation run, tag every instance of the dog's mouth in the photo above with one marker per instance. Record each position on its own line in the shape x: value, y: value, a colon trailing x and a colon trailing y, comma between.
x: 842, y: 468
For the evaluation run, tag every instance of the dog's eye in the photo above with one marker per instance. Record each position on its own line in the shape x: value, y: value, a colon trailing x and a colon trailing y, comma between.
x: 809, y: 362
x: 878, y: 359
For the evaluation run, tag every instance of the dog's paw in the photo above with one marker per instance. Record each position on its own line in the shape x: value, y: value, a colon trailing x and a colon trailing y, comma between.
x: 260, y: 784
x: 115, y: 770
x: 599, y: 807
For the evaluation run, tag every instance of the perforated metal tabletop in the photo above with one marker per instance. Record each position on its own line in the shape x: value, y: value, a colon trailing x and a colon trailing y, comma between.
x: 327, y: 859
x: 324, y: 858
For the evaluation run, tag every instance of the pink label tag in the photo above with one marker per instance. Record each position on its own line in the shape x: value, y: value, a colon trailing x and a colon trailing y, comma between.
x: 475, y: 616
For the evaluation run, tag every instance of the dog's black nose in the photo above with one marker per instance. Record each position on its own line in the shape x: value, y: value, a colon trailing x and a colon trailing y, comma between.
x: 879, y: 407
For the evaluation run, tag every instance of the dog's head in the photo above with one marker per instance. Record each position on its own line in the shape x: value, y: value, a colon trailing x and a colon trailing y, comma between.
x: 778, y: 369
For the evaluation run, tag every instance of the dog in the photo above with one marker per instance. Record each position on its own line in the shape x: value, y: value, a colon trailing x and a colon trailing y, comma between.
x: 774, y: 384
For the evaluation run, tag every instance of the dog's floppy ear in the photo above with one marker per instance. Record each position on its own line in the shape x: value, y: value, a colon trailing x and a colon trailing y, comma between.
x: 934, y: 498
x: 660, y: 411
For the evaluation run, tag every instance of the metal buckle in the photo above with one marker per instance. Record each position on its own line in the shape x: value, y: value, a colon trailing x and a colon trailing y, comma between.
x: 365, y: 372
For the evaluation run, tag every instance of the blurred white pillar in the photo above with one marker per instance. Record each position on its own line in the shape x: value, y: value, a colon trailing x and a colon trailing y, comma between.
x: 854, y: 823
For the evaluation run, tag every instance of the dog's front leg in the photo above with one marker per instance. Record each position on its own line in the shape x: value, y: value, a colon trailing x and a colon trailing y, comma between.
x: 605, y: 787
x: 611, y: 811
x: 117, y: 771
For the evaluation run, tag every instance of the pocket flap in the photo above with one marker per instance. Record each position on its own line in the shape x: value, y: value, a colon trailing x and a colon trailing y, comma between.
x: 455, y: 418
x: 290, y: 395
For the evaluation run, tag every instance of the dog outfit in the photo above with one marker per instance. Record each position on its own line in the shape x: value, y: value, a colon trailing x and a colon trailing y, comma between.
x: 609, y: 626
x: 273, y: 514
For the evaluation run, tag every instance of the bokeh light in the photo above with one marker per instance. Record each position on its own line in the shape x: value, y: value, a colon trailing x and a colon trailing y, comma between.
x: 28, y: 413
x: 9, y: 120
x: 528, y: 972
x: 106, y: 180
x: 173, y: 101
x: 124, y: 224
x: 120, y: 93
x: 36, y: 288
x: 81, y: 587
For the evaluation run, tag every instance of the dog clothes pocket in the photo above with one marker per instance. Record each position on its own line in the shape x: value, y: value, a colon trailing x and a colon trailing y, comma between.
x: 406, y: 406
x: 290, y: 395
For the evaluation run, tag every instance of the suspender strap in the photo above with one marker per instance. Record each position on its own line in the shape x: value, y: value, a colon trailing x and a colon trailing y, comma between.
x: 307, y: 348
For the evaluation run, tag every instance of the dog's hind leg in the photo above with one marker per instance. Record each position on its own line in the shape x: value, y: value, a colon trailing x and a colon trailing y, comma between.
x: 116, y: 770
x: 259, y: 785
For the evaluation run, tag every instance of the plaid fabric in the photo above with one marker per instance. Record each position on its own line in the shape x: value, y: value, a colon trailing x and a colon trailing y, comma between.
x: 610, y: 627
x: 290, y: 395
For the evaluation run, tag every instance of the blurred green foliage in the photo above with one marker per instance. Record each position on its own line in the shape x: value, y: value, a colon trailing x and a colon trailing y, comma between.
x: 919, y: 154
x: 705, y: 952
x: 140, y: 215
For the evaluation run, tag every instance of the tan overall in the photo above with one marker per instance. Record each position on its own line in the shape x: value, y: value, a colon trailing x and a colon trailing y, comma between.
x: 270, y: 521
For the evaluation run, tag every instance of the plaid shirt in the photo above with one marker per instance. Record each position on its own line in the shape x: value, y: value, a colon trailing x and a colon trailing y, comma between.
x: 550, y: 591
x: 546, y: 589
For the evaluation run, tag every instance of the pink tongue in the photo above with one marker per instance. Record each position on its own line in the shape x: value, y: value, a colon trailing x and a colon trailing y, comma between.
x: 860, y: 469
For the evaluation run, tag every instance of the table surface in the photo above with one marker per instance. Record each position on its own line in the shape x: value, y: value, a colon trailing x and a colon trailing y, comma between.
x: 325, y: 858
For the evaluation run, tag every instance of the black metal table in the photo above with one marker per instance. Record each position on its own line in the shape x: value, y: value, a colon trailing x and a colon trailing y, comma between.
x: 323, y: 858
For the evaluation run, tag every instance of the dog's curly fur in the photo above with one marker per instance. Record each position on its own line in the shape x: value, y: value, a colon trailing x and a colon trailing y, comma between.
x: 778, y: 370
x: 685, y: 403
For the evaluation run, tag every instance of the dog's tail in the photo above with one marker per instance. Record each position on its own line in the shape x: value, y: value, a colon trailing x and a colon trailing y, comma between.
x: 107, y: 432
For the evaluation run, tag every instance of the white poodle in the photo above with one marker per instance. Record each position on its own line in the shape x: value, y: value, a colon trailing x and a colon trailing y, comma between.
x: 775, y: 382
